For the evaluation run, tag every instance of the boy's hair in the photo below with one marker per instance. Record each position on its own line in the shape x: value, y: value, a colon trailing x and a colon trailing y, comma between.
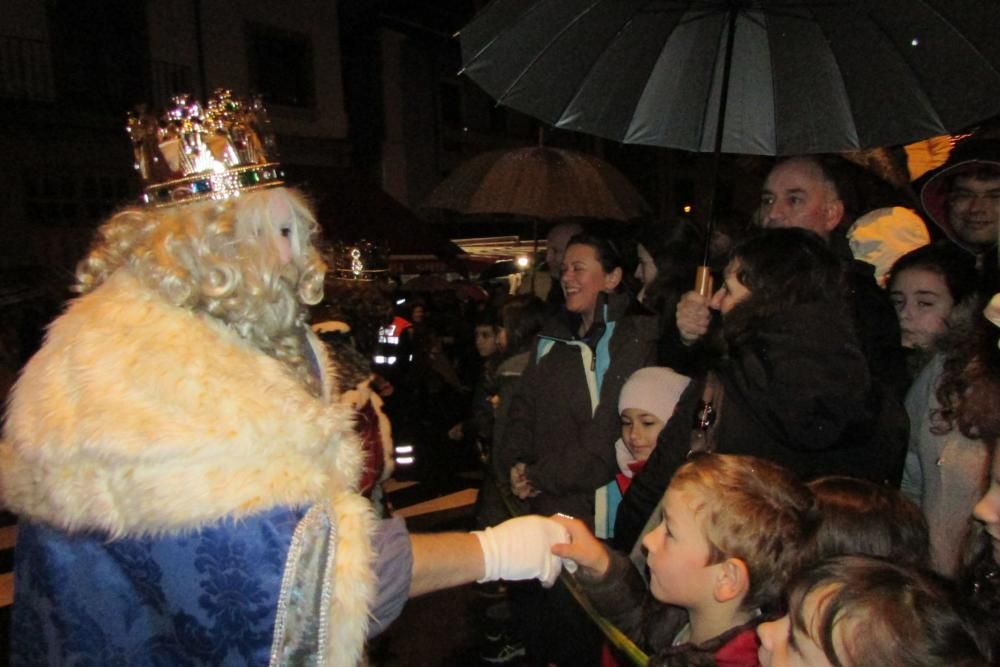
x: 886, y: 614
x: 859, y: 517
x: 487, y: 317
x: 754, y: 510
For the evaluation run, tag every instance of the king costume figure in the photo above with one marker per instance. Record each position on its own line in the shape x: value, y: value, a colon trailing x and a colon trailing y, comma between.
x: 175, y: 439
x: 186, y: 481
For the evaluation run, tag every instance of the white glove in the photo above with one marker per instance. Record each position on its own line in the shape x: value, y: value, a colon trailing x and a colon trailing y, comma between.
x: 521, y: 548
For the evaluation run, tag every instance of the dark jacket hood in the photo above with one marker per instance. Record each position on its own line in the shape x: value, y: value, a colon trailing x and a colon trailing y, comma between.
x: 966, y: 156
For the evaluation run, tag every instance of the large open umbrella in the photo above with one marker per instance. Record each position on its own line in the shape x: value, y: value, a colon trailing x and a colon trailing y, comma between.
x: 766, y: 77
x: 806, y: 76
x: 540, y: 183
x: 537, y: 184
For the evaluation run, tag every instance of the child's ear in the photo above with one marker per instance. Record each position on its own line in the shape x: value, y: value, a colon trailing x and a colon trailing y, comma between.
x: 732, y: 581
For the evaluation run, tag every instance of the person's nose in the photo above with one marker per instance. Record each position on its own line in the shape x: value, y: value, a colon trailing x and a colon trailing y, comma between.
x: 772, y: 214
x: 986, y: 510
x: 716, y: 302
x: 979, y: 204
x: 771, y: 632
x: 905, y: 312
x: 649, y: 541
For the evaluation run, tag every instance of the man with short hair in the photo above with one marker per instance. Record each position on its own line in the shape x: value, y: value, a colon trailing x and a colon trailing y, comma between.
x: 799, y: 192
x: 963, y: 200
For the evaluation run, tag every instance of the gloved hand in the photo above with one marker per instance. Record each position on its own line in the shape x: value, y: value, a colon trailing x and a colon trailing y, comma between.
x: 521, y: 548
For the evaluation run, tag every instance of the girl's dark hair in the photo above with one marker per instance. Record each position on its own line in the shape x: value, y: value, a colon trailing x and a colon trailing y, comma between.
x: 522, y: 317
x: 955, y: 266
x: 608, y: 252
x: 969, y: 387
x: 859, y: 517
x: 781, y: 268
x: 887, y: 614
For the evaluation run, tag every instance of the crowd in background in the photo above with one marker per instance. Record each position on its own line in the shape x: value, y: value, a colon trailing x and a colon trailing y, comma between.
x: 845, y: 341
x: 744, y: 472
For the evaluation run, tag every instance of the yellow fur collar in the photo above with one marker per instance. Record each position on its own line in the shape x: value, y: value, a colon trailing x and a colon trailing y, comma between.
x: 137, y: 417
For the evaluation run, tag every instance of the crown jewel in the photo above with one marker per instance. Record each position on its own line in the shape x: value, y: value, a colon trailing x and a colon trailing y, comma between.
x: 193, y: 152
x: 359, y: 261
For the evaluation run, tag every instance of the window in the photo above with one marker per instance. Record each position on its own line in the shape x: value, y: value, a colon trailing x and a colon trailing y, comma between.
x: 281, y: 66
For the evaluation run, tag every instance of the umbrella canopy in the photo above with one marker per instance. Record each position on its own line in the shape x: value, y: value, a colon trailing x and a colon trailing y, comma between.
x: 541, y: 183
x: 807, y: 76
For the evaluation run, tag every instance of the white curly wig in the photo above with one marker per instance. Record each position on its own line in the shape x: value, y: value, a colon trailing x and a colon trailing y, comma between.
x: 224, y: 259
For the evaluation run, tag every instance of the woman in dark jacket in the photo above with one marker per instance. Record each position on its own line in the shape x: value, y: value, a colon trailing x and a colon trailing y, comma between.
x: 563, y: 419
x: 795, y: 386
x: 562, y: 424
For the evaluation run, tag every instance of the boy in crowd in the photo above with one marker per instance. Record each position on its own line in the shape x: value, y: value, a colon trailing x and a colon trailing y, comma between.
x: 733, y: 532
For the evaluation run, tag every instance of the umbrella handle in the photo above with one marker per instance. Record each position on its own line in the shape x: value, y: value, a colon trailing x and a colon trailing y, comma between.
x: 703, y: 282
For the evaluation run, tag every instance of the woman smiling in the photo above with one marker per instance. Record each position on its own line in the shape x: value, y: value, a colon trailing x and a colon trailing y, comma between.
x: 563, y: 421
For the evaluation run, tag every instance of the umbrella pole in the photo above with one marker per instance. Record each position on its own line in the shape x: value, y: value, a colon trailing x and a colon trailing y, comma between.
x: 703, y: 278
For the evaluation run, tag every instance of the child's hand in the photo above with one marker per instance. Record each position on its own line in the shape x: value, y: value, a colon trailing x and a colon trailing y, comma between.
x: 583, y: 549
x: 519, y: 484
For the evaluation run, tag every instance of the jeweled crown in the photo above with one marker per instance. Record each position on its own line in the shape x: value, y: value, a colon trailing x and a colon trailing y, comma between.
x: 192, y: 153
x: 363, y: 260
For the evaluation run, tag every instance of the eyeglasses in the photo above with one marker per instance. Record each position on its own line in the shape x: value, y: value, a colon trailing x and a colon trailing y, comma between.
x: 966, y: 197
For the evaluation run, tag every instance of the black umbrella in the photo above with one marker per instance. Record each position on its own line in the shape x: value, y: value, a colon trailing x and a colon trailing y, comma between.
x: 808, y: 76
x: 765, y: 77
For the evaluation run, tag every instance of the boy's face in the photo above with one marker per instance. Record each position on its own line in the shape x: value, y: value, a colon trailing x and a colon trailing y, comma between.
x: 486, y: 340
x: 639, y: 431
x: 679, y: 572
x: 783, y: 644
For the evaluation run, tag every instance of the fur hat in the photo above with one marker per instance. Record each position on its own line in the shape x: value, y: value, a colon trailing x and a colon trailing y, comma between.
x: 655, y: 389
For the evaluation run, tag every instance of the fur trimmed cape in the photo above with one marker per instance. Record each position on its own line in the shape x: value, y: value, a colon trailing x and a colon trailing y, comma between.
x: 139, y: 418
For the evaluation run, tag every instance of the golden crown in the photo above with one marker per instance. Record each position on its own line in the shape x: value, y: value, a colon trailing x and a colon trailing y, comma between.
x: 363, y: 260
x: 193, y: 152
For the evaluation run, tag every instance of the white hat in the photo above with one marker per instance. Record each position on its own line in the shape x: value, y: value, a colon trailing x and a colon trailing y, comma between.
x: 882, y: 236
x: 655, y: 389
